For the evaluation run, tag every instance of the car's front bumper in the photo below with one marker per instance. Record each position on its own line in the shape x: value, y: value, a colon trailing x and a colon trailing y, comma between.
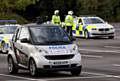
x: 101, y: 34
x: 60, y: 68
x: 96, y: 33
x: 44, y: 63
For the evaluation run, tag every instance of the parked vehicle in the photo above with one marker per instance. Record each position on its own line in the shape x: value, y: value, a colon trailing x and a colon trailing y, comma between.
x: 87, y: 26
x: 43, y: 47
x: 6, y: 33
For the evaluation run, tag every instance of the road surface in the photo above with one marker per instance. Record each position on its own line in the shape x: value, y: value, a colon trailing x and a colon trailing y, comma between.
x: 100, y: 60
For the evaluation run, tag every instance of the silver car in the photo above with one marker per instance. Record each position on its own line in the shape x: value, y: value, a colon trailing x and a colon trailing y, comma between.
x: 43, y: 47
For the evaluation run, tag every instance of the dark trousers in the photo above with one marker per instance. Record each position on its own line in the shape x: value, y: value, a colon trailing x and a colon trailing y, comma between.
x: 69, y: 30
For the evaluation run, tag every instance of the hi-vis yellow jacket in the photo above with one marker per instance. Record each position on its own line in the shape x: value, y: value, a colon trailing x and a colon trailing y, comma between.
x: 56, y: 19
x: 69, y: 20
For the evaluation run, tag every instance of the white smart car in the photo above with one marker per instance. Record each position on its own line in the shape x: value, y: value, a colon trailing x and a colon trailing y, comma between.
x: 91, y: 26
x: 43, y: 47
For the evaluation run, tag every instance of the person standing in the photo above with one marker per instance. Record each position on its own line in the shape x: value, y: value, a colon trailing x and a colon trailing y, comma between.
x: 69, y: 22
x: 56, y: 18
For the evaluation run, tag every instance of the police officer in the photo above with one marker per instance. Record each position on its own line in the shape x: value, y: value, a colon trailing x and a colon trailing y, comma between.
x: 56, y: 18
x: 69, y: 22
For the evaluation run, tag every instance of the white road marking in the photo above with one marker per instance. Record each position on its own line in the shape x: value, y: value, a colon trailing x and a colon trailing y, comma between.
x: 96, y: 75
x: 107, y: 75
x: 99, y: 74
x: 92, y: 56
x: 69, y: 78
x: 112, y: 47
x: 116, y: 65
x: 13, y: 76
x: 97, y: 50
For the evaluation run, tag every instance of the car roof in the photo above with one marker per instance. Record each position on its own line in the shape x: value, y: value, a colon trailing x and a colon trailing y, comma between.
x: 5, y: 25
x: 88, y: 17
x: 40, y: 25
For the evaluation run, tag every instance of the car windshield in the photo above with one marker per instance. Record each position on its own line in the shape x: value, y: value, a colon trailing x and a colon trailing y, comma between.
x: 7, y: 29
x: 93, y: 21
x: 49, y: 35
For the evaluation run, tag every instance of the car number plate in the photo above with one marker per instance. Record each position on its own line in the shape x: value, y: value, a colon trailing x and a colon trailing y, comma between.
x: 103, y: 32
x: 60, y: 62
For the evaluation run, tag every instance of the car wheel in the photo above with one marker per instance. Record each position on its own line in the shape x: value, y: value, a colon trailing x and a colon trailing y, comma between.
x: 4, y: 49
x: 76, y: 72
x: 86, y: 34
x: 111, y: 37
x: 11, y: 66
x: 33, y: 68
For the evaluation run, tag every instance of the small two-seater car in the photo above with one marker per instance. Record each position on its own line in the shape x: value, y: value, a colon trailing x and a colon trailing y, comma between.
x: 43, y: 48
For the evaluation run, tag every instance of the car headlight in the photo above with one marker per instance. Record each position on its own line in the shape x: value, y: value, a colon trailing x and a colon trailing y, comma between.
x: 75, y: 47
x: 41, y: 50
x: 111, y: 28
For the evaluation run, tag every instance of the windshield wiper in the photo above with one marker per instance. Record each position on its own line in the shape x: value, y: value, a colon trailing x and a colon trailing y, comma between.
x: 53, y: 42
x: 57, y: 41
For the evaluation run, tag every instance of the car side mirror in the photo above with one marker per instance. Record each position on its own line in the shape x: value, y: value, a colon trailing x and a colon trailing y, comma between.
x: 25, y: 40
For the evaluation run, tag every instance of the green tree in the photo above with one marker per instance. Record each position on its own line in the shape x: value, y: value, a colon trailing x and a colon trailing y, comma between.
x: 9, y: 9
x: 107, y: 9
x: 9, y: 5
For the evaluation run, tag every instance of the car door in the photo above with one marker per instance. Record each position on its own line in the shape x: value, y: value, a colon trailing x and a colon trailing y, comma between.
x: 20, y: 48
x: 13, y: 42
x: 79, y: 27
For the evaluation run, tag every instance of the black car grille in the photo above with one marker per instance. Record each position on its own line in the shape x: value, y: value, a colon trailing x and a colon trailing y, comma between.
x: 102, y: 34
x: 59, y: 57
x: 106, y: 29
x: 59, y: 66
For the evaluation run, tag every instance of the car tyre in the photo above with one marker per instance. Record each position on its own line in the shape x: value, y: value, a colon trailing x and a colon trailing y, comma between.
x: 76, y: 72
x: 111, y: 37
x: 11, y: 66
x: 86, y: 34
x: 32, y: 68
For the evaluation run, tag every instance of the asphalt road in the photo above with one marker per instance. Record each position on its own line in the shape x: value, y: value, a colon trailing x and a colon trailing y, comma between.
x: 100, y: 60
